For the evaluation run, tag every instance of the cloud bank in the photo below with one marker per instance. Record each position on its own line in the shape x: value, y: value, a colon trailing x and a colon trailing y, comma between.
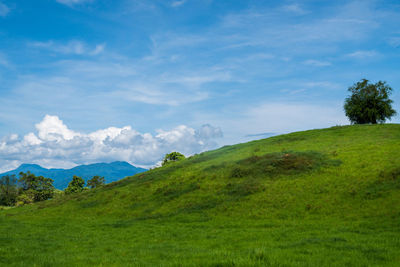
x: 55, y: 145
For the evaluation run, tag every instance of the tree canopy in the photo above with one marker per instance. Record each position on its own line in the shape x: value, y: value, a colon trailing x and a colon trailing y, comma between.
x: 34, y: 188
x: 95, y: 182
x: 76, y: 185
x: 369, y: 103
x: 27, y: 189
x: 8, y: 190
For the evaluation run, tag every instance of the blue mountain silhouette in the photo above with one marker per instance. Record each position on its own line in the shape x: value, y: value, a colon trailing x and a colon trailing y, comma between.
x: 113, y: 171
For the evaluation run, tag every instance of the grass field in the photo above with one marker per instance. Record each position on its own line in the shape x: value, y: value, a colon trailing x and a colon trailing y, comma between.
x: 327, y: 197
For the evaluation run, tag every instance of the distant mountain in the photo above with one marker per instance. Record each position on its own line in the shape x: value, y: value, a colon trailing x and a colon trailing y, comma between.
x: 113, y: 171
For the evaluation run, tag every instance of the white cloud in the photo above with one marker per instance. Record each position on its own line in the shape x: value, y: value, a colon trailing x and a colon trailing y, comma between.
x: 317, y: 63
x: 295, y: 8
x: 72, y: 47
x: 72, y: 2
x: 55, y: 145
x: 32, y: 139
x: 4, y: 10
x: 51, y: 128
x: 178, y: 3
x: 363, y: 54
x: 98, y: 49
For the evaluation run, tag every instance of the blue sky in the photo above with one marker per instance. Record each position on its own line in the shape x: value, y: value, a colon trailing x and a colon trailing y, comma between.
x: 155, y: 76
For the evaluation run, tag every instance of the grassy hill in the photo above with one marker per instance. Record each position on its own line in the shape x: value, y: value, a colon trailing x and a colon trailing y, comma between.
x: 327, y: 197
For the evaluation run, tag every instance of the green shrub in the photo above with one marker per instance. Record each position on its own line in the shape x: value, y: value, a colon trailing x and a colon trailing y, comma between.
x: 75, y: 186
x: 172, y: 157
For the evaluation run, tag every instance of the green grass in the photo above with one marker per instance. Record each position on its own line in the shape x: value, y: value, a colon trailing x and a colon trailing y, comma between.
x: 327, y: 197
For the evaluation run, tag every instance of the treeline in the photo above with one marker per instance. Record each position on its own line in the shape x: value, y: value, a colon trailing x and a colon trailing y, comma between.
x: 29, y: 188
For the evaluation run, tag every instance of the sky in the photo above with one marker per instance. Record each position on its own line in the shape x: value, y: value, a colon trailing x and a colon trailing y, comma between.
x: 84, y: 81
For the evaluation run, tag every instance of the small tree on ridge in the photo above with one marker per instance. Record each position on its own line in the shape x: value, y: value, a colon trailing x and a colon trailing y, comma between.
x: 95, y: 182
x: 174, y: 156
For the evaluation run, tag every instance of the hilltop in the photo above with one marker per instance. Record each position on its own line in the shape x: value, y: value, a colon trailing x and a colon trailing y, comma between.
x: 328, y: 197
x: 112, y: 172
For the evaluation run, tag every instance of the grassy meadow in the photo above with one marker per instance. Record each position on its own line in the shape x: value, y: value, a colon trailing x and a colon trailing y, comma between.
x: 327, y: 197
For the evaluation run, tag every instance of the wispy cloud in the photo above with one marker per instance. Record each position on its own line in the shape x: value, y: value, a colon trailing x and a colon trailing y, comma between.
x: 98, y: 49
x: 178, y: 3
x: 73, y: 2
x: 4, y: 10
x: 71, y: 47
x: 363, y: 54
x: 394, y: 41
x: 351, y: 22
x: 295, y: 8
x: 113, y: 83
x: 317, y: 63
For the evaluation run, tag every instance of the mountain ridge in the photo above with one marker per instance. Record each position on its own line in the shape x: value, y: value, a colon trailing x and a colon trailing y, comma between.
x: 112, y: 172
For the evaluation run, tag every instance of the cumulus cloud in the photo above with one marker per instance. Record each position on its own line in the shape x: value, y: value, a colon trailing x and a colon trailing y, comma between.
x: 55, y: 145
x: 53, y: 129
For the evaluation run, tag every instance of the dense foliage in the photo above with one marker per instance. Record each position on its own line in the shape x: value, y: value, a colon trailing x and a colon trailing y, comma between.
x: 75, y: 186
x: 38, y: 187
x: 95, y: 182
x: 369, y: 103
x: 172, y: 157
x: 8, y: 190
x: 30, y: 188
x: 27, y: 189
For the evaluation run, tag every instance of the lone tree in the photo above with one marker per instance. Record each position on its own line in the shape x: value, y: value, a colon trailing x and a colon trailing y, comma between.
x: 95, y: 182
x: 369, y: 103
x: 174, y: 156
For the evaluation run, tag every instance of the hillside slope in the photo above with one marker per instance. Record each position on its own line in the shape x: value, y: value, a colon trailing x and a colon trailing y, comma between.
x: 112, y: 172
x: 327, y: 197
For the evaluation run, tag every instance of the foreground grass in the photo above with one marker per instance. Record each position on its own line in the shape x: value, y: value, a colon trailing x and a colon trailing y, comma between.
x: 318, y: 198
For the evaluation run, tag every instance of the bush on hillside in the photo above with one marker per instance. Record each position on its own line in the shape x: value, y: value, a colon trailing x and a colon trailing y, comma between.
x: 172, y: 157
x: 75, y: 186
